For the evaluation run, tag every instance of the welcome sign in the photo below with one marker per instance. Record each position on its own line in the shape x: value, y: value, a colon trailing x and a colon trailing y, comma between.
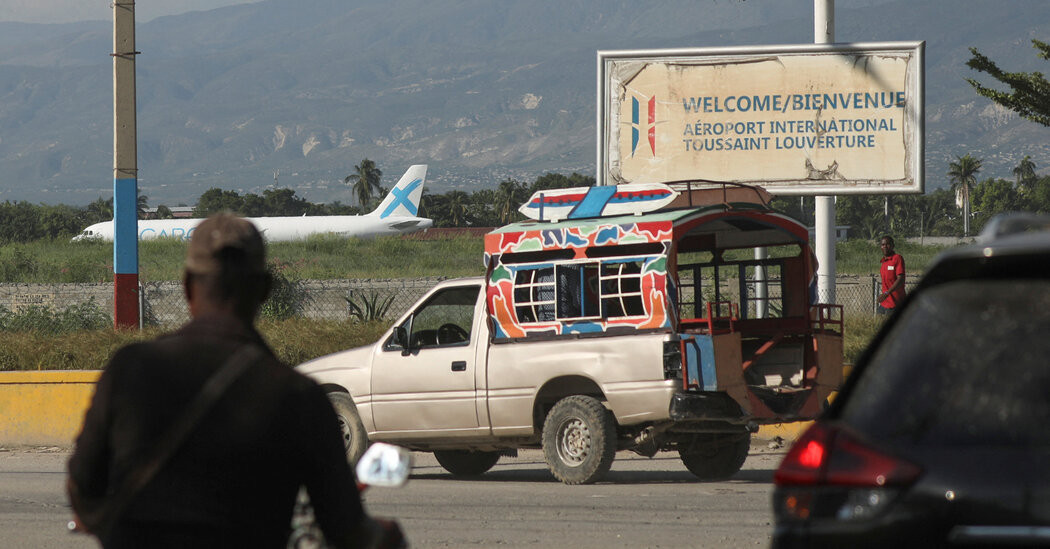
x: 814, y: 119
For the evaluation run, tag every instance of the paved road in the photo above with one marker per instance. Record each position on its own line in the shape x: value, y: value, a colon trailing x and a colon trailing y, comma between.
x: 642, y: 503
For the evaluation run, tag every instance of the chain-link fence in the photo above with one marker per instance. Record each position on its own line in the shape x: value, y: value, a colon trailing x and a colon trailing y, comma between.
x: 857, y: 294
x: 163, y: 303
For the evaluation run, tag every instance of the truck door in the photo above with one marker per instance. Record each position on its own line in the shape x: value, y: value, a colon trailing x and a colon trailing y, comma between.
x: 427, y: 383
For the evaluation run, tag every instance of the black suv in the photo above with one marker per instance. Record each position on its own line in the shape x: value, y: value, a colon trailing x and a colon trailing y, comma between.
x: 941, y: 436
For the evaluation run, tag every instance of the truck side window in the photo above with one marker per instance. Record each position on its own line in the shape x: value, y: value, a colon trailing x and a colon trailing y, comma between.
x: 534, y: 295
x: 621, y: 287
x: 578, y: 291
x: 591, y: 290
x: 447, y: 318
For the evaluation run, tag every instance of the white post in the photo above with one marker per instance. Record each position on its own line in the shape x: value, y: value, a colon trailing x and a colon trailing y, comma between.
x: 761, y: 285
x: 824, y: 218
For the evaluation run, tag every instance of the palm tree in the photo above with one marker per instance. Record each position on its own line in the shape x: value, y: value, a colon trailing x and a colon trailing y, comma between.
x: 963, y: 175
x: 101, y: 209
x: 458, y: 204
x: 365, y: 181
x: 1025, y: 174
x: 509, y: 197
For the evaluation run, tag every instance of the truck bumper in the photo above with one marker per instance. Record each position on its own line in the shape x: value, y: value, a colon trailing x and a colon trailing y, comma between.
x: 705, y: 406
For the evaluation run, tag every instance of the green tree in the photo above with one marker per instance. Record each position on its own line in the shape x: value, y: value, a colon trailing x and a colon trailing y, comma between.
x: 1038, y: 200
x: 1025, y: 175
x: 365, y: 181
x: 253, y: 205
x: 993, y: 196
x: 963, y: 176
x: 283, y: 202
x: 941, y: 214
x: 164, y: 212
x: 509, y: 196
x: 19, y: 222
x: 217, y: 200
x: 1029, y: 93
x: 100, y: 210
x: 338, y: 208
x: 141, y: 205
x: 458, y: 208
x: 60, y: 220
x: 864, y: 215
x: 483, y: 208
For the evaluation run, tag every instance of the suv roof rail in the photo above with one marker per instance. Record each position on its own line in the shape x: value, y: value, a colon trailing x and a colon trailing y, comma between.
x: 1013, y: 223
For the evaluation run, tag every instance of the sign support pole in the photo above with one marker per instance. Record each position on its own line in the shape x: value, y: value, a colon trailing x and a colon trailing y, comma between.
x: 824, y: 214
x: 125, y: 170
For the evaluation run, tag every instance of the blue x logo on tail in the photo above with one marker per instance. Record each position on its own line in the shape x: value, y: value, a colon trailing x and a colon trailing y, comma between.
x: 401, y: 199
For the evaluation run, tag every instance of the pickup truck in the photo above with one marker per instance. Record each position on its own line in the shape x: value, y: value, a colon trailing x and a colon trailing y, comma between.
x: 649, y: 332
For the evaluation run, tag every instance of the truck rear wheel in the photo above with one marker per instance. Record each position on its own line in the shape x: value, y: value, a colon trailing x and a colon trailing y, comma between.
x: 715, y: 457
x: 355, y: 439
x: 579, y: 439
x: 466, y: 463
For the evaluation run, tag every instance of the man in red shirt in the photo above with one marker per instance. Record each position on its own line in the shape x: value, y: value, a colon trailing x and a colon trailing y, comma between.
x: 892, y: 272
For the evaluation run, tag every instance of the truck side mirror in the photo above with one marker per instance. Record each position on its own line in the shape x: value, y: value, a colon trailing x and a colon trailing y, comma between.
x: 401, y: 338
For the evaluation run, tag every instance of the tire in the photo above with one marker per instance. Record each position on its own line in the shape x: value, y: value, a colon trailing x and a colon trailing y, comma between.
x: 715, y: 457
x: 466, y: 463
x: 579, y: 439
x: 355, y: 439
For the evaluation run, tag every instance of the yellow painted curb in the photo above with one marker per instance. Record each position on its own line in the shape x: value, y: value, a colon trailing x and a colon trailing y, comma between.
x: 47, y: 408
x: 44, y: 408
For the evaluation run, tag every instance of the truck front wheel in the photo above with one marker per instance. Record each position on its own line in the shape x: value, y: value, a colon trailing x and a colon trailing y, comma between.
x: 466, y: 463
x: 355, y: 439
x: 579, y: 439
x: 715, y: 457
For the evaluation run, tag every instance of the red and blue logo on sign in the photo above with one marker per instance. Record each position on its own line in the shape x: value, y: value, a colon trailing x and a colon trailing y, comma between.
x: 636, y: 124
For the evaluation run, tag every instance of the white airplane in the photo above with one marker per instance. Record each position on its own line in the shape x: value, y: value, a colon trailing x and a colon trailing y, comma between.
x: 395, y: 215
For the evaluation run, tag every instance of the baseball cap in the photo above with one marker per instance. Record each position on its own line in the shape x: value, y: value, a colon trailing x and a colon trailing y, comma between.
x: 223, y: 239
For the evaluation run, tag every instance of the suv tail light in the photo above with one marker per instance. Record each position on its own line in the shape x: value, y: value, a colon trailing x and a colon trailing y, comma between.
x: 830, y: 472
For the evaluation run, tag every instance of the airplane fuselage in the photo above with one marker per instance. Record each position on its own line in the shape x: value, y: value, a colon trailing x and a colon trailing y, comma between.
x: 396, y: 214
x: 275, y: 229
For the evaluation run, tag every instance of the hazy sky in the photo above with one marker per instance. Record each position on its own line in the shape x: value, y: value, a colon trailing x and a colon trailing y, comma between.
x: 67, y: 11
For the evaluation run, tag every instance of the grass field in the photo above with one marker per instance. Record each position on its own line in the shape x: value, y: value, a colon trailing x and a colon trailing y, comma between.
x: 294, y: 341
x: 51, y: 261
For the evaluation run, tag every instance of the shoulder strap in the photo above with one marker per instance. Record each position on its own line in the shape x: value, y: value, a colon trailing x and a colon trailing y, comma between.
x: 177, y: 433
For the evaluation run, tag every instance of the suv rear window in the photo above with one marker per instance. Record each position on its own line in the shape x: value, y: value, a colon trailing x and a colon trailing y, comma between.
x: 968, y: 363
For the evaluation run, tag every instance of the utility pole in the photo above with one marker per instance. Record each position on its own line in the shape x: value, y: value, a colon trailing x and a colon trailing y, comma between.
x: 824, y: 211
x: 125, y: 170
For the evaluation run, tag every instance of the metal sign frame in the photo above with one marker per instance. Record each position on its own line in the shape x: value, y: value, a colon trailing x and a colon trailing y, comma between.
x: 906, y: 129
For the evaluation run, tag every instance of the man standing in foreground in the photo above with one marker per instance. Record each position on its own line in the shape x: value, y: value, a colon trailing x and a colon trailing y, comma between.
x: 232, y: 481
x: 892, y: 274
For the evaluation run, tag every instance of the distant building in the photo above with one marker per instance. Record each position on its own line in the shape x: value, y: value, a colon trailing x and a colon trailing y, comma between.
x: 841, y: 233
x: 178, y: 212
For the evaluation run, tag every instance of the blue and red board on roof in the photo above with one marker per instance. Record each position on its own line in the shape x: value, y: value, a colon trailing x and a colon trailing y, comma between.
x: 587, y: 202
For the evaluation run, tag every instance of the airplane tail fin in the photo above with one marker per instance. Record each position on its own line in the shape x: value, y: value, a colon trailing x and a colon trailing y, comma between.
x: 403, y: 199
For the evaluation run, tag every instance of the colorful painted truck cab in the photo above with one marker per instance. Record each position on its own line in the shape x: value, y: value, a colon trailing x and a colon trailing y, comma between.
x: 659, y: 331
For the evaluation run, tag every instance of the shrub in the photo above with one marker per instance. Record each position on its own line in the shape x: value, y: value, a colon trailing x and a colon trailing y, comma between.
x: 372, y: 307
x: 288, y: 297
x: 87, y: 315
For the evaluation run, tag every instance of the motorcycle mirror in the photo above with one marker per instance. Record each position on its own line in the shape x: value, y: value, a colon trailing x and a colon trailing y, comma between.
x: 384, y: 465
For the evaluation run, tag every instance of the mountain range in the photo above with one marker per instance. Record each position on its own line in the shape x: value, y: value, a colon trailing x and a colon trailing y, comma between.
x: 297, y: 92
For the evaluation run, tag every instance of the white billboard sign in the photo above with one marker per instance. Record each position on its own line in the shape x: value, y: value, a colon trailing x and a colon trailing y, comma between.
x: 797, y: 120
